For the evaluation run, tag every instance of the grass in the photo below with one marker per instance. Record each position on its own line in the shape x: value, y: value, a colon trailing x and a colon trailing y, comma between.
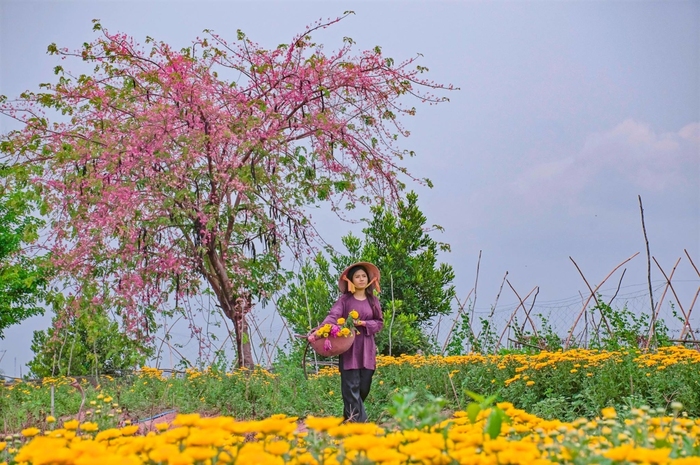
x: 553, y: 385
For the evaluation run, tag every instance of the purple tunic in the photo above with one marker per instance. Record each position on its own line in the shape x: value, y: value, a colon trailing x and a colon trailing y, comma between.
x: 363, y: 352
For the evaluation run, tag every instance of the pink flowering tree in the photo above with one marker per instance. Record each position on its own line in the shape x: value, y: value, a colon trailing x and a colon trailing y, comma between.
x: 168, y: 173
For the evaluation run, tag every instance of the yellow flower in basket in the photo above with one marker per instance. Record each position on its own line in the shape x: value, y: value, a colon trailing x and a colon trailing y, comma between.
x: 342, y: 328
x: 341, y: 333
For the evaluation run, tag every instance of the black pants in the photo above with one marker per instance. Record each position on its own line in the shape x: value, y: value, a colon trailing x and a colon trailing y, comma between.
x: 355, y: 385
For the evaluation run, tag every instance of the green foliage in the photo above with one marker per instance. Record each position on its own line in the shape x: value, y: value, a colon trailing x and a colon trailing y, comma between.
x: 405, y: 253
x: 308, y: 300
x: 406, y: 335
x: 402, y: 248
x: 620, y: 328
x: 463, y: 339
x: 496, y: 415
x: 89, y: 343
x: 408, y: 413
x: 23, y: 277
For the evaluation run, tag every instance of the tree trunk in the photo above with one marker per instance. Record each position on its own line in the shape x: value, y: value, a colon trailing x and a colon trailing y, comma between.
x: 236, y: 309
x: 242, y: 305
x: 235, y: 306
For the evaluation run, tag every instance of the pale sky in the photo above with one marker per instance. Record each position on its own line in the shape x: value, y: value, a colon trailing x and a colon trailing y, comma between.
x: 567, y: 112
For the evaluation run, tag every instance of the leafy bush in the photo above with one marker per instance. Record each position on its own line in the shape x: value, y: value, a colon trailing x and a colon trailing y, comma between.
x: 89, y: 343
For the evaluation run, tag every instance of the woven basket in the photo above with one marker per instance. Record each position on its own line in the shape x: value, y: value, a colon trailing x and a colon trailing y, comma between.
x: 338, y: 345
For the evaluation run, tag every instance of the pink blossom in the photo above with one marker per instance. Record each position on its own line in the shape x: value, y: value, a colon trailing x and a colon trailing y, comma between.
x: 167, y: 178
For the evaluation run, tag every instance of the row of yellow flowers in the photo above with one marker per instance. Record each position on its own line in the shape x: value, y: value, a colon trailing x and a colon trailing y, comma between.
x: 582, y: 358
x: 664, y: 356
x: 639, y: 438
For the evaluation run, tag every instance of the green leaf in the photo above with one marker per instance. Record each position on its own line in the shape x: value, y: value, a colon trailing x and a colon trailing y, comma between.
x: 473, y: 410
x: 477, y: 397
x: 493, y: 427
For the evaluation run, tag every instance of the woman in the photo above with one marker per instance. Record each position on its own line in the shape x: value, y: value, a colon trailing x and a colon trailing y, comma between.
x: 357, y: 284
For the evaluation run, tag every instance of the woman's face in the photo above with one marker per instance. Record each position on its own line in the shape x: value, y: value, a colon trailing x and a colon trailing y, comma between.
x: 359, y: 279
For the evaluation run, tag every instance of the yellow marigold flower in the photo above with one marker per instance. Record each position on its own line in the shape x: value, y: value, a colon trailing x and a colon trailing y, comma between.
x: 609, y: 412
x: 199, y: 454
x: 190, y: 419
x: 341, y: 321
x: 305, y: 458
x: 46, y: 452
x: 354, y: 314
x: 71, y: 425
x: 381, y: 455
x: 209, y: 437
x: 363, y: 442
x: 530, y: 383
x: 277, y: 447
x: 659, y: 455
x: 2, y: 446
x: 351, y: 429
x: 129, y: 430
x: 108, y: 434
x: 162, y: 452
x: 50, y: 419
x: 322, y: 423
x: 420, y: 452
x: 224, y: 457
x: 618, y: 454
x: 176, y: 434
x: 89, y: 426
x: 30, y: 432
x: 162, y: 426
x: 274, y: 426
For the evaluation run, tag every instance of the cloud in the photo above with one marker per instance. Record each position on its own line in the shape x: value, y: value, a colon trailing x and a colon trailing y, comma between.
x: 648, y: 160
x: 628, y: 159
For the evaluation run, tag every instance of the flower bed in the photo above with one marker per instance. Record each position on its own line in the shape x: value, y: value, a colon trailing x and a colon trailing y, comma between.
x: 640, y: 437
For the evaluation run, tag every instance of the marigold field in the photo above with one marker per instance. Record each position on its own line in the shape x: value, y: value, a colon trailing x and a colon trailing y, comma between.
x: 578, y: 407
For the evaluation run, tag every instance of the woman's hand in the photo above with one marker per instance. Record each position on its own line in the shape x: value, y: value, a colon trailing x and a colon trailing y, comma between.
x: 360, y: 323
x: 311, y: 337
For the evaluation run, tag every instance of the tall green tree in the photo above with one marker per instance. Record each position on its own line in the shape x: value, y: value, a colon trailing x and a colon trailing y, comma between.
x: 23, y: 276
x: 401, y: 246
